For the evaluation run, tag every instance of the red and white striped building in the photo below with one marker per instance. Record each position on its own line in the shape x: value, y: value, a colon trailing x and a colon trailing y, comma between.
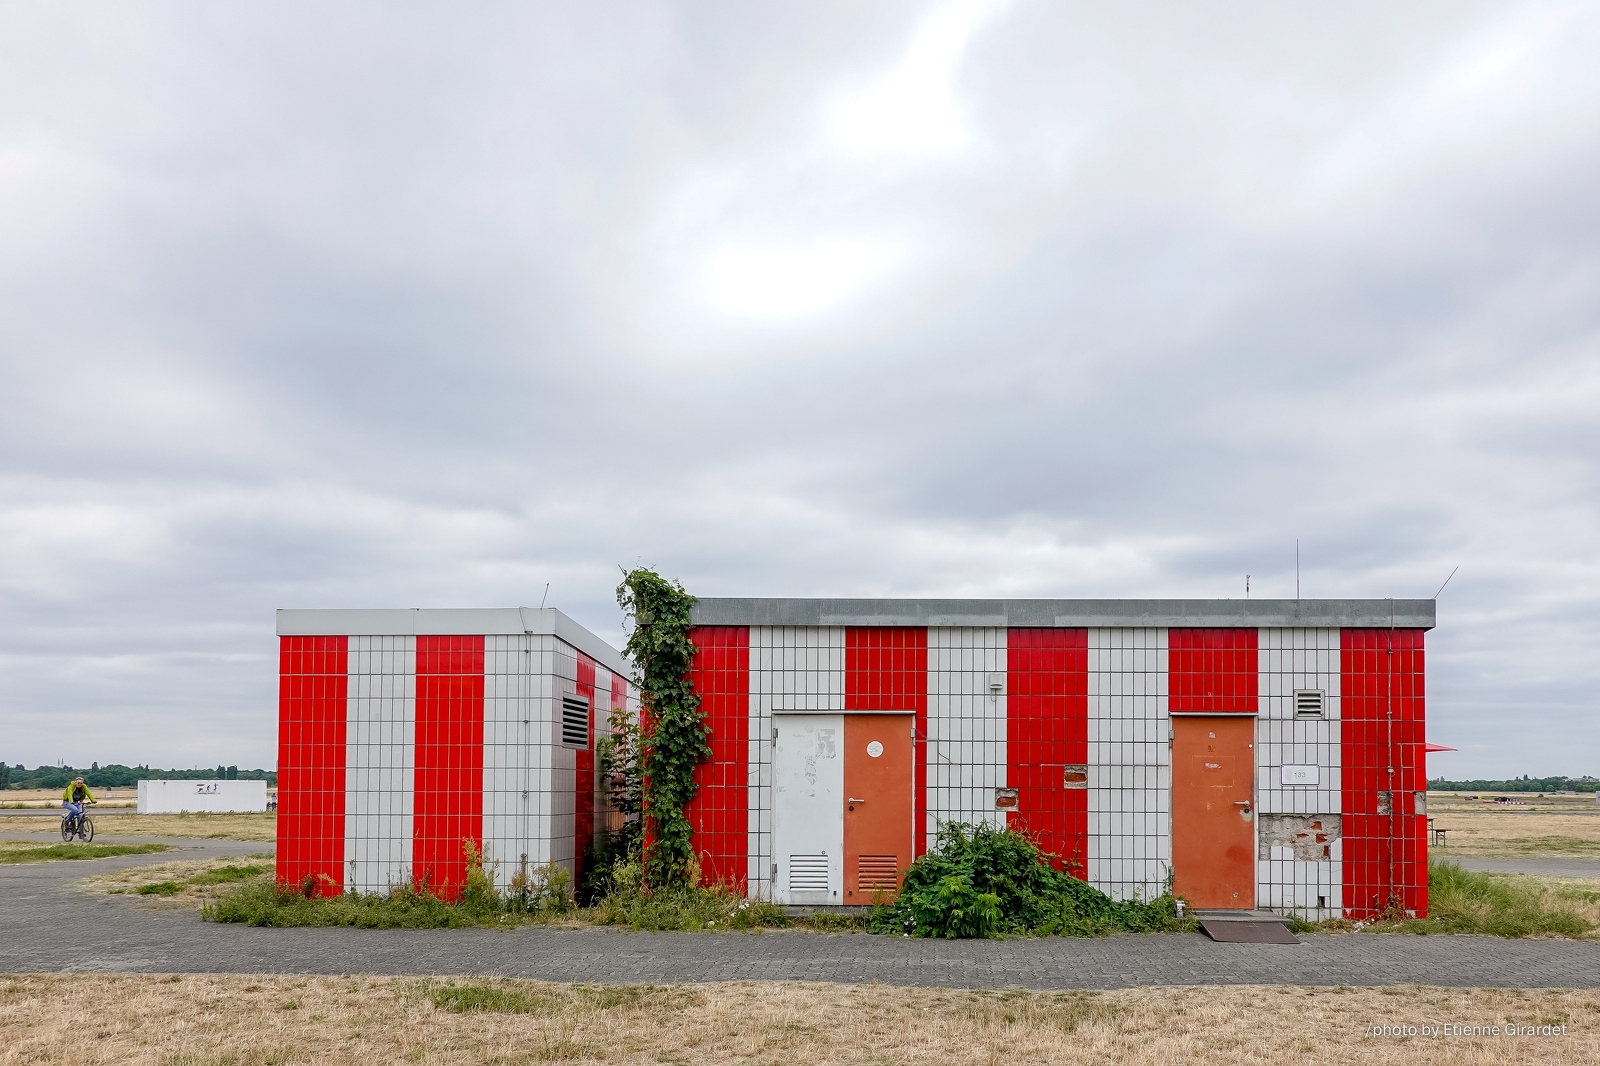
x: 1256, y: 753
x: 1263, y: 753
x: 404, y: 733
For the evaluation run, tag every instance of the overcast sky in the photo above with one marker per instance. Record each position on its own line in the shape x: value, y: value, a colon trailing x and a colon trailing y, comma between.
x: 332, y: 305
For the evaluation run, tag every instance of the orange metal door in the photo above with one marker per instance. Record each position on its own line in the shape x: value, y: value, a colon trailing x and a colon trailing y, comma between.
x: 1213, y: 811
x: 877, y: 805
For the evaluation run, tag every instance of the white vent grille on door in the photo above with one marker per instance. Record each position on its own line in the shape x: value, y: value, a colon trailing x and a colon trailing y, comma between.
x: 808, y: 873
x: 575, y: 721
x: 1309, y: 703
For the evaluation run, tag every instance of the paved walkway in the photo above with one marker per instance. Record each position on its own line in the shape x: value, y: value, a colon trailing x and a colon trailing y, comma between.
x: 1546, y: 867
x: 47, y: 923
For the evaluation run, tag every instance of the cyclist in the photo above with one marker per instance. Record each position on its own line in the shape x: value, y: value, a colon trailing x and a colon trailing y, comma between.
x: 73, y: 799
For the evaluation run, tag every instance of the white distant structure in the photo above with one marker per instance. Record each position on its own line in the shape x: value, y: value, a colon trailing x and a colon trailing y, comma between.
x: 211, y: 797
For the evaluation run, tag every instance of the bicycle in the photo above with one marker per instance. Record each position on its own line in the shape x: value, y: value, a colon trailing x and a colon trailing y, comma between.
x: 77, y: 825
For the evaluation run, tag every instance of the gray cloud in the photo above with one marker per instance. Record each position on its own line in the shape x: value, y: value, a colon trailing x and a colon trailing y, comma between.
x: 406, y: 306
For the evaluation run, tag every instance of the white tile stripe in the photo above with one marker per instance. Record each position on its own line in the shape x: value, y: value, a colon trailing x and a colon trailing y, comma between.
x: 1130, y: 774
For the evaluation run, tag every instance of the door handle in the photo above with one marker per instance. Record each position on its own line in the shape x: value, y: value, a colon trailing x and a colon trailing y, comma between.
x: 854, y: 800
x: 1241, y: 803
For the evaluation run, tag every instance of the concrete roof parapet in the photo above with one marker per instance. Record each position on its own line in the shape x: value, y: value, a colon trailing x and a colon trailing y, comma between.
x: 941, y: 613
x: 445, y: 621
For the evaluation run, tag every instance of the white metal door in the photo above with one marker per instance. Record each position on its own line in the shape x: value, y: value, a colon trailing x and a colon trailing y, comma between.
x: 808, y: 808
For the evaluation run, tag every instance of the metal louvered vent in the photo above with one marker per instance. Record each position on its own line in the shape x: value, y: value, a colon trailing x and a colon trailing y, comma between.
x: 877, y: 873
x: 808, y: 873
x: 575, y: 721
x: 1309, y: 703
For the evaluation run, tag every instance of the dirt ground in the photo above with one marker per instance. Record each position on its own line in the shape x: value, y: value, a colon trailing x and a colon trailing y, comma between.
x: 1554, y: 827
x: 260, y: 1020
x: 260, y: 827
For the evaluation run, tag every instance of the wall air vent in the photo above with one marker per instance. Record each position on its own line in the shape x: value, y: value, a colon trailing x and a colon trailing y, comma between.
x: 575, y: 721
x: 878, y: 873
x: 808, y: 873
x: 1310, y: 703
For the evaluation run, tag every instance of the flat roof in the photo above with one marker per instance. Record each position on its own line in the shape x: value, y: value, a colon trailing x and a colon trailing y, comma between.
x: 1292, y: 614
x: 446, y: 621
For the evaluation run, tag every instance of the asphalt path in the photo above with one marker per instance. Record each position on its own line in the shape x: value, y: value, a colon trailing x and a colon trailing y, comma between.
x: 1545, y: 867
x: 48, y: 922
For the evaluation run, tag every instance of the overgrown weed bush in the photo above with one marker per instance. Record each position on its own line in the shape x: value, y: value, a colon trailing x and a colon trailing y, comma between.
x: 685, y: 905
x: 402, y: 907
x: 979, y: 882
x: 533, y: 893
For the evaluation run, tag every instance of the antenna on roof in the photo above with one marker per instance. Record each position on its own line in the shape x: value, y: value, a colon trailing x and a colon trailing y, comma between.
x: 1247, y: 586
x: 1446, y: 582
x: 546, y: 595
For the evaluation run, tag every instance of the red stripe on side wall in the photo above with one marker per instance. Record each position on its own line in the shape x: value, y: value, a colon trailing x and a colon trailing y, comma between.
x: 313, y: 683
x: 1047, y: 730
x: 1382, y: 728
x: 583, y: 811
x: 719, y: 812
x: 1212, y: 671
x: 448, y: 809
x: 886, y: 669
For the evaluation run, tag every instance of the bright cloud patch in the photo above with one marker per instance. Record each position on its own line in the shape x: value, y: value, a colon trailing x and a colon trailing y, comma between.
x: 790, y: 281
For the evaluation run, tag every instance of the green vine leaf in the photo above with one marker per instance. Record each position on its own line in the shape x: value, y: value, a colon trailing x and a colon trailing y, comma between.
x: 673, y: 735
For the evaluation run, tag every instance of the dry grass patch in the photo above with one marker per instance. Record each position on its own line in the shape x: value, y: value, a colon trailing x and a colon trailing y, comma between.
x: 189, y: 884
x: 260, y: 827
x: 360, y: 1020
x: 1558, y: 827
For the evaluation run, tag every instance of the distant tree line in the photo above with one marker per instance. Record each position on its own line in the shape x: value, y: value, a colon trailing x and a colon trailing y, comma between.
x: 115, y: 775
x: 1522, y: 784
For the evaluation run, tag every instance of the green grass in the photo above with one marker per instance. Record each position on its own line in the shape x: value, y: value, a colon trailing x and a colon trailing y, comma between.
x: 490, y: 999
x: 227, y: 875
x: 485, y: 999
x: 54, y: 852
x: 160, y: 888
x: 1465, y: 901
x: 277, y: 906
x: 674, y: 909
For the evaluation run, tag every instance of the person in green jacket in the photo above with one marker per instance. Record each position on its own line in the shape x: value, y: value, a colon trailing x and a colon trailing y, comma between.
x: 75, y: 796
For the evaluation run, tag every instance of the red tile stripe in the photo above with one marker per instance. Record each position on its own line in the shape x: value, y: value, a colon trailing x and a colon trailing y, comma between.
x: 1047, y: 729
x: 886, y: 669
x: 583, y: 811
x: 1382, y: 724
x: 1212, y: 671
x: 313, y: 684
x: 448, y: 808
x: 719, y: 812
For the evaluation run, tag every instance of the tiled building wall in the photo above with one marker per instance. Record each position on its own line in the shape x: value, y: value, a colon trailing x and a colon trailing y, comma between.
x: 966, y: 734
x: 523, y: 759
x: 395, y: 752
x: 1130, y: 770
x: 1382, y: 735
x: 792, y: 668
x: 1098, y: 697
x: 313, y: 688
x: 447, y: 803
x: 1299, y: 855
x: 720, y: 810
x: 1047, y: 739
x: 596, y: 685
x: 886, y: 669
x: 380, y: 748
